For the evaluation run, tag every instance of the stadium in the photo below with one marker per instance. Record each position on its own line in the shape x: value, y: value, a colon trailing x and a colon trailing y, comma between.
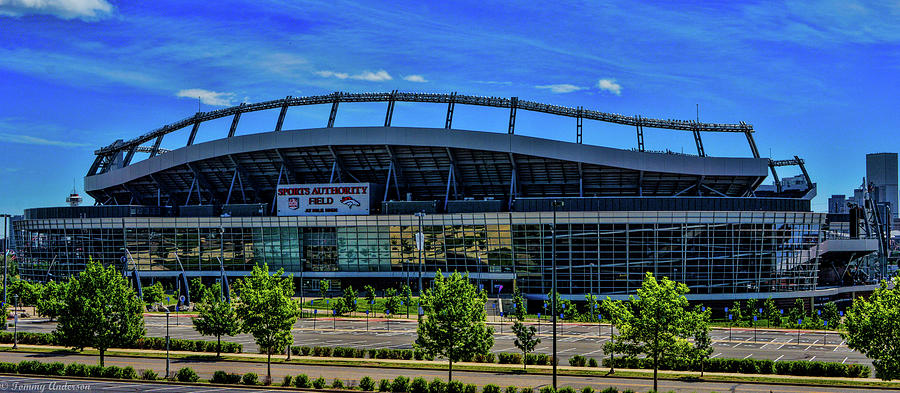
x: 386, y: 205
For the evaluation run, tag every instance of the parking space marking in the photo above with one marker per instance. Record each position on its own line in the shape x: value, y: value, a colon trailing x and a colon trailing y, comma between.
x: 779, y: 357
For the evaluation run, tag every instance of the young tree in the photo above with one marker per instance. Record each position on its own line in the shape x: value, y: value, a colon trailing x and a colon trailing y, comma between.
x: 737, y: 315
x: 154, y: 293
x: 101, y: 311
x: 198, y: 290
x: 349, y: 300
x: 830, y: 313
x: 618, y: 314
x: 520, y: 308
x: 324, y: 285
x: 406, y: 294
x: 4, y: 314
x: 51, y: 300
x: 661, y: 323
x: 565, y: 307
x: 593, y: 308
x: 752, y: 309
x: 454, y: 325
x: 771, y: 314
x: 702, y: 342
x: 392, y: 302
x: 797, y: 312
x: 526, y: 340
x: 216, y: 317
x: 29, y: 292
x: 370, y: 296
x: 267, y: 310
x: 872, y: 329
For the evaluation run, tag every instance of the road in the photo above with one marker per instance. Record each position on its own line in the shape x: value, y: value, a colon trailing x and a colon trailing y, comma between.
x: 351, y: 376
x: 573, y: 339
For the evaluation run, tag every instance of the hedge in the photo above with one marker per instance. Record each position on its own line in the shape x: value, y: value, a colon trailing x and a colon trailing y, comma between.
x: 35, y: 367
x: 753, y: 366
x: 226, y: 378
x: 154, y: 343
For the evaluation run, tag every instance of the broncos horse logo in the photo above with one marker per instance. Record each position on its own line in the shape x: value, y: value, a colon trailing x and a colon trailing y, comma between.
x: 350, y: 202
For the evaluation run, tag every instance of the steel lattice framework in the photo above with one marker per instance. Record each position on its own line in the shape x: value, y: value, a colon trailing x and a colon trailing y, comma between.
x: 107, y: 155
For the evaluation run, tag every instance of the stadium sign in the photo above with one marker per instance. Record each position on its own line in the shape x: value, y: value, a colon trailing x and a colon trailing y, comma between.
x: 329, y: 199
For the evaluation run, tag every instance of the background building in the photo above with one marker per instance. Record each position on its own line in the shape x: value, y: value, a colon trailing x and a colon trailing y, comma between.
x: 837, y: 204
x: 881, y: 172
x: 346, y: 204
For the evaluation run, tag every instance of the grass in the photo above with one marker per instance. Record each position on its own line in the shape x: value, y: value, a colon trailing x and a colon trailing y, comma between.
x: 490, y: 368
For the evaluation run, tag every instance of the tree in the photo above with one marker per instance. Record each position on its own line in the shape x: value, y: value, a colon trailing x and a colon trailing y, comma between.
x: 526, y: 340
x: 198, y: 290
x: 51, y: 300
x: 565, y: 307
x: 872, y: 329
x: 29, y: 292
x: 267, y: 311
x: 660, y: 325
x: 392, y: 302
x: 737, y: 314
x: 702, y: 342
x: 4, y: 312
x: 370, y: 295
x: 454, y: 326
x: 797, y: 312
x: 618, y: 314
x: 154, y: 293
x: 101, y: 311
x: 752, y: 309
x: 324, y: 285
x: 349, y: 300
x: 831, y: 315
x: 770, y: 313
x: 593, y: 308
x: 406, y: 294
x: 520, y: 308
x: 216, y: 317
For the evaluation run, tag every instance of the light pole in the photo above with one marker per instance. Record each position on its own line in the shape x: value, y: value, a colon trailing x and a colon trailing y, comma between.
x: 421, y: 235
x: 5, y: 253
x: 556, y: 204
x: 16, y: 323
x: 167, y: 343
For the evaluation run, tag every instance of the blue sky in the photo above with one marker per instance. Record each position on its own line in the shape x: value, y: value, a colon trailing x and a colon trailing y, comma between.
x: 818, y: 79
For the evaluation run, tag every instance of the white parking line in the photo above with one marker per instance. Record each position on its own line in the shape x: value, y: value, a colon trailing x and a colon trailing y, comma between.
x: 812, y: 358
x: 593, y: 352
x: 748, y: 355
x: 845, y: 359
x: 716, y: 355
x: 779, y: 357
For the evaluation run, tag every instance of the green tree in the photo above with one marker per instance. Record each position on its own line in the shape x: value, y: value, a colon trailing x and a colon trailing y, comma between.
x: 349, y: 297
x: 702, y: 342
x: 618, y: 314
x: 520, y: 308
x: 267, y: 311
x: 830, y: 313
x: 216, y: 317
x: 4, y: 313
x: 52, y: 299
x: 370, y: 296
x: 29, y: 292
x: 593, y: 308
x: 771, y: 314
x: 154, y: 293
x: 873, y: 329
x: 324, y: 285
x: 526, y: 340
x: 198, y: 290
x: 392, y: 301
x: 454, y: 325
x: 737, y: 315
x: 406, y: 294
x: 796, y: 313
x: 660, y: 325
x: 565, y: 307
x: 752, y: 309
x: 102, y: 311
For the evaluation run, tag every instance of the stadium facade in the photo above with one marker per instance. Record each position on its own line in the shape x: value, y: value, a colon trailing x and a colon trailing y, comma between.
x: 382, y: 205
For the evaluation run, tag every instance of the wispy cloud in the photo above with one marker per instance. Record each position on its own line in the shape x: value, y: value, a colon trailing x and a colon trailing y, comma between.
x: 503, y: 83
x: 20, y: 130
x: 378, y: 76
x: 610, y: 85
x: 561, y: 88
x: 87, y: 10
x: 33, y: 140
x: 415, y: 78
x: 207, y: 97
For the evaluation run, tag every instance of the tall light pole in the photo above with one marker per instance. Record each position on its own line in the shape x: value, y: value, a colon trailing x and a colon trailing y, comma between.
x: 167, y: 342
x: 421, y: 235
x: 5, y: 253
x: 16, y: 323
x: 556, y: 204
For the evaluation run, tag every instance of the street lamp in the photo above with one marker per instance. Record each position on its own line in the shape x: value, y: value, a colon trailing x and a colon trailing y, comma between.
x: 420, y: 238
x: 556, y: 204
x: 167, y: 342
x: 16, y: 323
x: 5, y: 252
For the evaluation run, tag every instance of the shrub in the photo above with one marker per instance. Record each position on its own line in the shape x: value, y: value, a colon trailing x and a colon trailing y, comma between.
x: 547, y: 389
x: 384, y: 385
x: 250, y: 379
x: 94, y: 371
x: 129, y: 373
x: 319, y: 383
x: 526, y: 390
x: 367, y: 384
x: 337, y: 384
x: 287, y: 381
x: 219, y: 377
x: 418, y: 385
x: 483, y: 358
x: 57, y: 368
x: 437, y: 386
x: 455, y: 387
x: 592, y: 362
x: 112, y: 372
x: 400, y: 385
x: 587, y: 389
x: 509, y: 358
x: 147, y: 375
x: 567, y: 389
x: 187, y: 374
x: 29, y: 367
x: 511, y: 389
x: 9, y: 368
x: 302, y: 381
x: 537, y: 359
x: 471, y: 388
x: 490, y: 388
x: 577, y: 361
x: 611, y: 389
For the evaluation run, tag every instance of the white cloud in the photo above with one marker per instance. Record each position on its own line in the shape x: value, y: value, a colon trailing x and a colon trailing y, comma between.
x: 207, y: 97
x: 561, y: 88
x: 33, y: 140
x: 63, y: 9
x: 610, y: 85
x: 415, y: 78
x: 379, y: 76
